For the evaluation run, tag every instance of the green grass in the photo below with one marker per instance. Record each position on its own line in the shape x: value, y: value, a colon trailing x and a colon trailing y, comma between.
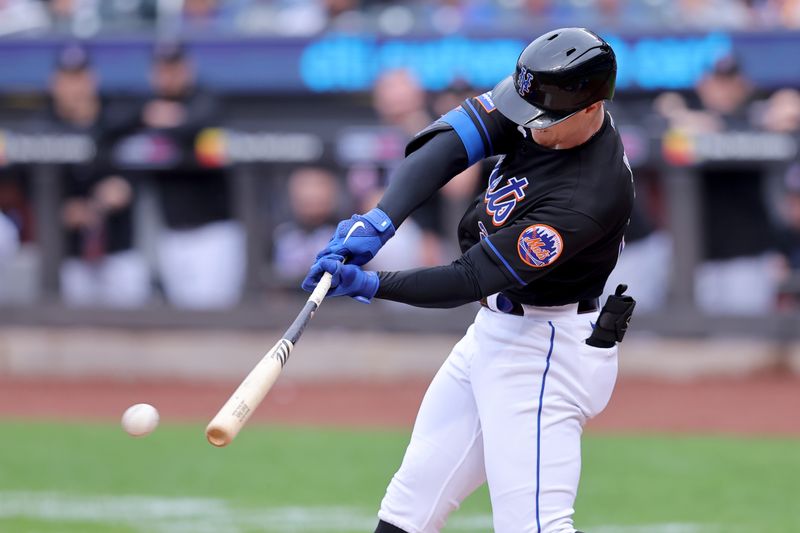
x: 93, y: 478
x: 748, y: 485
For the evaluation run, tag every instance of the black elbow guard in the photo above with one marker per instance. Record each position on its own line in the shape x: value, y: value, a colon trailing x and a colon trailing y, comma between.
x: 426, y: 135
x: 613, y: 320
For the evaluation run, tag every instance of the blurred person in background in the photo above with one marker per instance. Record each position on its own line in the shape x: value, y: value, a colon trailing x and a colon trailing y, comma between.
x: 707, y: 14
x: 343, y: 15
x: 452, y: 16
x: 543, y: 13
x: 84, y: 18
x: 644, y: 260
x: 201, y: 249
x: 282, y: 17
x: 9, y: 239
x: 789, y: 238
x: 399, y: 100
x: 788, y: 13
x: 737, y: 233
x: 19, y: 266
x: 549, y: 11
x: 606, y: 14
x: 18, y: 16
x: 451, y: 96
x: 314, y: 200
x: 129, y: 14
x: 301, y: 17
x: 63, y: 14
x: 9, y: 247
x: 15, y: 202
x: 203, y: 16
x: 102, y: 266
x: 621, y: 15
x: 80, y: 18
x: 781, y: 111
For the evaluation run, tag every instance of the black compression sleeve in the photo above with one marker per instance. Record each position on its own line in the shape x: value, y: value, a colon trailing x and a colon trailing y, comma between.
x: 422, y: 173
x: 468, y: 279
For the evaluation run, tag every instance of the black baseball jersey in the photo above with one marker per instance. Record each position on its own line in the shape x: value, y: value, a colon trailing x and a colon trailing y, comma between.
x: 550, y: 220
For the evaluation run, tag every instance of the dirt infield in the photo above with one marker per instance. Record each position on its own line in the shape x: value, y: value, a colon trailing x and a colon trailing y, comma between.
x: 760, y: 405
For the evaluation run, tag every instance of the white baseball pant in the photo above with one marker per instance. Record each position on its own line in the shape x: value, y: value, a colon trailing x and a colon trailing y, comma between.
x: 508, y: 406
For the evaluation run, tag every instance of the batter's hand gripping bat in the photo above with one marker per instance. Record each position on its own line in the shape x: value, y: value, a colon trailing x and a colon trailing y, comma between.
x: 224, y: 427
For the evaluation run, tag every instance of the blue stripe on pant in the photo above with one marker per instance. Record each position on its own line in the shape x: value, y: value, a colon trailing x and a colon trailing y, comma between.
x: 539, y: 424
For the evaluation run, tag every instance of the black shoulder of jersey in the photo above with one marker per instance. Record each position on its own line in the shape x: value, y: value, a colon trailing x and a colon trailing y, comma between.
x: 482, y: 129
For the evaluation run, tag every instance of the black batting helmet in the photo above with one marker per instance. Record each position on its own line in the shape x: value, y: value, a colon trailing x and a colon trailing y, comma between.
x: 557, y: 75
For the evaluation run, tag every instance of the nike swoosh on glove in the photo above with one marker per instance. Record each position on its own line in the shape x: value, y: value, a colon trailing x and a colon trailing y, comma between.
x: 346, y: 279
x: 360, y: 237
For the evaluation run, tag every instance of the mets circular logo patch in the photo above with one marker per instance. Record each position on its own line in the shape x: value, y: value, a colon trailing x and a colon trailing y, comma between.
x: 539, y: 245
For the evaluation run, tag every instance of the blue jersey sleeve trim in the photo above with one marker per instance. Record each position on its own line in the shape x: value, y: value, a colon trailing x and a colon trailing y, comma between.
x: 486, y: 131
x: 462, y: 124
x: 503, y: 260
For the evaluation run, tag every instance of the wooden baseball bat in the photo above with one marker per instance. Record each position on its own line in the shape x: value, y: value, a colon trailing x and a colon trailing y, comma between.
x: 224, y: 427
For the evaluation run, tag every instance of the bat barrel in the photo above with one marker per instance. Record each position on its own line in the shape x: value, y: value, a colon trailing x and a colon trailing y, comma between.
x: 224, y: 427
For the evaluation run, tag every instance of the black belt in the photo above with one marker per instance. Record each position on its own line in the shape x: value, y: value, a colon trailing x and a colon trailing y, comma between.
x: 515, y: 308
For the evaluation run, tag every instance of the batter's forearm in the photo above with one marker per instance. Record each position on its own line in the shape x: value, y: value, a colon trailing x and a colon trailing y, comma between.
x: 422, y: 173
x: 470, y: 278
x: 441, y: 287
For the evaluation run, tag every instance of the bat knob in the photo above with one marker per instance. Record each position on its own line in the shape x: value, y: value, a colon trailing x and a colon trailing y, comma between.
x: 217, y: 437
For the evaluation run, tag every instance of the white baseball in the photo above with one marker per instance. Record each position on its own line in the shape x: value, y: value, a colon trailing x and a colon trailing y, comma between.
x: 140, y: 419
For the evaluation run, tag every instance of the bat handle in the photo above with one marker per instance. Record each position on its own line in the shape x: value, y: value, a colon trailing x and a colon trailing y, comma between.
x: 321, y: 289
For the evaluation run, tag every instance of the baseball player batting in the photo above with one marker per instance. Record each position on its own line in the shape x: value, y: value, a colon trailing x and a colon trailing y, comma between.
x: 509, y: 404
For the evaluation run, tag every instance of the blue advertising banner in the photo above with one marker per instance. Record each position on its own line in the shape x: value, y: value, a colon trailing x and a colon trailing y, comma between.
x: 344, y: 63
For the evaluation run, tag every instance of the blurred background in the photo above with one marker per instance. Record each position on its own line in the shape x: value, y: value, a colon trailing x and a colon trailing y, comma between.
x: 169, y: 169
x: 164, y: 158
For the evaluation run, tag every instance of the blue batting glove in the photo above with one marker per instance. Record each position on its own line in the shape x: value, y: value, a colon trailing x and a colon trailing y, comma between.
x: 360, y: 237
x: 315, y: 273
x: 346, y: 279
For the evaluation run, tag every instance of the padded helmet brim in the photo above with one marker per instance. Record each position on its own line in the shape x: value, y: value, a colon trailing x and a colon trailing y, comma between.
x: 520, y: 111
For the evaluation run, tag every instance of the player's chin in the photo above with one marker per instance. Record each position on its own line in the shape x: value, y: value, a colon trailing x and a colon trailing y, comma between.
x: 544, y: 138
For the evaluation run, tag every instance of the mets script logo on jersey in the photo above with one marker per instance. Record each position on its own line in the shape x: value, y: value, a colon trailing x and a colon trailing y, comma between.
x: 500, y: 202
x: 486, y: 102
x: 539, y: 245
x: 524, y: 81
